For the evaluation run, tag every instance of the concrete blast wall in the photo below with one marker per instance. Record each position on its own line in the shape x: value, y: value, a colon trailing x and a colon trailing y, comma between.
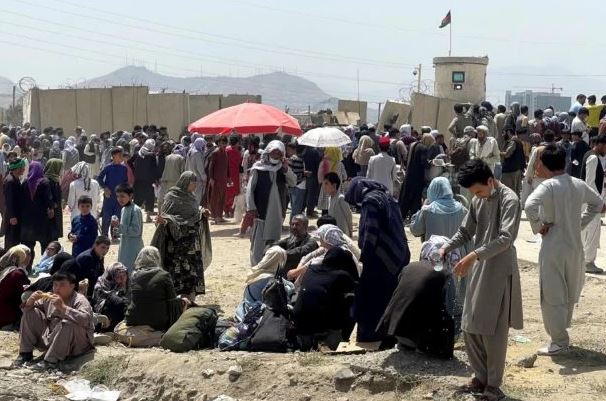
x: 121, y: 108
x: 355, y: 107
x: 395, y: 113
x: 432, y: 111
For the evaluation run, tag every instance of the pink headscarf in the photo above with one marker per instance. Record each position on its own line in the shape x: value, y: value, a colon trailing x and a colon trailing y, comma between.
x: 34, y: 177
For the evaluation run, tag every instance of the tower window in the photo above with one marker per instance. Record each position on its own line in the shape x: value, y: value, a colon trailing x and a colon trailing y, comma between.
x: 458, y: 77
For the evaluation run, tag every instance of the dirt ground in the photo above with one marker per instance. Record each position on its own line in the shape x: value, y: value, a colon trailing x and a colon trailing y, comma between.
x: 158, y: 375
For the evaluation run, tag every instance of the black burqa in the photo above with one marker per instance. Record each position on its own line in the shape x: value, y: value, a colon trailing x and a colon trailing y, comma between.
x: 410, y: 197
x: 417, y: 310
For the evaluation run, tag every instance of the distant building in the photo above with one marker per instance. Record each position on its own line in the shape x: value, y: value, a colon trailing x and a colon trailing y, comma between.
x: 539, y: 100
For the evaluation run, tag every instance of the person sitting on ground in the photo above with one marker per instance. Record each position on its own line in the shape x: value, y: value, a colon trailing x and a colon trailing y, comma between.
x: 337, y: 207
x: 298, y: 244
x: 153, y: 301
x: 322, y: 310
x: 45, y: 284
x: 420, y: 312
x: 60, y: 323
x: 84, y: 227
x: 89, y: 264
x: 329, y: 236
x: 48, y: 257
x: 13, y: 279
x: 110, y: 296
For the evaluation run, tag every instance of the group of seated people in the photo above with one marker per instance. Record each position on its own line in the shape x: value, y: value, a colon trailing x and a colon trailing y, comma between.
x: 76, y: 297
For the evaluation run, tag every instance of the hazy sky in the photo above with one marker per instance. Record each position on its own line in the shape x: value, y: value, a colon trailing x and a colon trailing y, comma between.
x: 529, y: 43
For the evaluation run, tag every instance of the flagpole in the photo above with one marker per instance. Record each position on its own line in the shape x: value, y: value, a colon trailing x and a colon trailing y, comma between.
x: 450, y: 38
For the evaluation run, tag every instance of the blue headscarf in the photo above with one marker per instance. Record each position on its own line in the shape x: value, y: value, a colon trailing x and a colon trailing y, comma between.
x: 441, y: 198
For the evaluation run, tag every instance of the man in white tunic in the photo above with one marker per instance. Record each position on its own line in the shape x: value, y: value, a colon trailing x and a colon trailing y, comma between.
x: 555, y: 209
x: 592, y: 171
x: 493, y: 301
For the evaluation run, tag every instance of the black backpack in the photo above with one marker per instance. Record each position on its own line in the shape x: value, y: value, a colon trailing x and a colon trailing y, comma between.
x: 275, y: 332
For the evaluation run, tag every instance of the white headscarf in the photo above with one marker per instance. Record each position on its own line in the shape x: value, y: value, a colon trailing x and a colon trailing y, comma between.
x: 265, y: 164
x: 82, y: 170
x: 148, y: 258
x: 147, y: 148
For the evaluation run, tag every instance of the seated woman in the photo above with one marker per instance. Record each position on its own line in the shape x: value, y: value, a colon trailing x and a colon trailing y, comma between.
x: 48, y: 257
x: 420, y: 312
x: 13, y: 279
x: 110, y: 296
x: 442, y: 216
x: 330, y: 236
x: 153, y: 300
x: 322, y: 310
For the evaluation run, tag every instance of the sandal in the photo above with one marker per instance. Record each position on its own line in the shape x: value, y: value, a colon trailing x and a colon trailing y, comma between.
x: 492, y: 394
x: 475, y: 386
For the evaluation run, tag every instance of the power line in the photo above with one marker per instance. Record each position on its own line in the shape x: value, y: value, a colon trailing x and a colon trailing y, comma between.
x: 237, y: 42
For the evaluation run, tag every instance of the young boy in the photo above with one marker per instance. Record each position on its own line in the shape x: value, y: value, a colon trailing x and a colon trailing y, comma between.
x: 337, y: 206
x: 84, y: 227
x: 130, y: 225
x: 110, y: 177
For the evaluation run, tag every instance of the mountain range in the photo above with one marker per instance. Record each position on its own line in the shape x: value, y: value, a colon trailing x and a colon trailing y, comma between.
x: 277, y: 88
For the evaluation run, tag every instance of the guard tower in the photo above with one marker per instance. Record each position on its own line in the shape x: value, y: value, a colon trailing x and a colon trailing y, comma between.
x: 461, y: 78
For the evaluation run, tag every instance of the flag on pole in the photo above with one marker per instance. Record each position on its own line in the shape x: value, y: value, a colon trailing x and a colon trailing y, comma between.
x: 446, y: 21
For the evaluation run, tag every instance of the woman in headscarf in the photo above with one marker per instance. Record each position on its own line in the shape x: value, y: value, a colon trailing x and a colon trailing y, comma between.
x: 183, y: 237
x: 55, y: 151
x: 442, y: 214
x: 329, y: 236
x: 38, y: 209
x: 385, y: 252
x: 322, y: 310
x: 83, y: 185
x: 91, y: 155
x: 195, y: 162
x: 52, y: 171
x: 145, y: 168
x: 174, y: 165
x: 13, y: 279
x: 331, y: 163
x: 70, y: 153
x: 110, y: 296
x: 153, y: 299
x: 420, y: 313
x: 268, y: 177
x: 48, y: 258
x: 418, y: 165
x: 363, y: 153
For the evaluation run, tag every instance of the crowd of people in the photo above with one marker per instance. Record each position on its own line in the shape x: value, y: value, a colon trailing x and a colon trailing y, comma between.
x: 309, y: 290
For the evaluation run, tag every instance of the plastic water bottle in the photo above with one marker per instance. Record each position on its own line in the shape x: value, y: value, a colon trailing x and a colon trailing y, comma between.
x: 114, y: 230
x: 436, y: 261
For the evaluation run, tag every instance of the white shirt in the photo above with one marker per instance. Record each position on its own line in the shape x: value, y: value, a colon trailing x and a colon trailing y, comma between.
x: 487, y: 152
x: 579, y: 126
x: 76, y: 190
x: 382, y: 168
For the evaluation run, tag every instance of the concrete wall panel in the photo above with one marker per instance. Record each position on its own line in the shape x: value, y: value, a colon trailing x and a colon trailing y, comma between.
x: 354, y: 106
x: 170, y: 110
x: 94, y: 110
x: 58, y: 109
x: 445, y: 116
x: 203, y: 105
x: 129, y: 107
x: 234, y: 100
x: 395, y: 113
x: 31, y: 107
x: 425, y: 110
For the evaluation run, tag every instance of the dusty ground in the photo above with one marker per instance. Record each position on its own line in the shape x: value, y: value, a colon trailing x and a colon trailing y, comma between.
x: 153, y: 374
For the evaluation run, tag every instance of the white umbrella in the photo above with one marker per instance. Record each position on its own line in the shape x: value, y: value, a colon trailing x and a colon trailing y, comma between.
x: 324, y: 137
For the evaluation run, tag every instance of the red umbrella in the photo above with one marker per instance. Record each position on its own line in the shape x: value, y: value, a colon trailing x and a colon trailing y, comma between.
x: 246, y: 118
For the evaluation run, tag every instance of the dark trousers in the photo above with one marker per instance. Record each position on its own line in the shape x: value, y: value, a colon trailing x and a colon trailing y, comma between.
x: 12, y: 236
x: 31, y: 245
x: 144, y: 194
x: 313, y: 191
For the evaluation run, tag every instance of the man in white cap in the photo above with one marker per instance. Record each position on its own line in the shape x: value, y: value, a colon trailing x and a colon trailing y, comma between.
x: 485, y: 148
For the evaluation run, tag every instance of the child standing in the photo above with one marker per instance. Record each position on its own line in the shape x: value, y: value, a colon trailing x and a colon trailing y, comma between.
x: 337, y: 206
x: 130, y: 226
x: 84, y: 227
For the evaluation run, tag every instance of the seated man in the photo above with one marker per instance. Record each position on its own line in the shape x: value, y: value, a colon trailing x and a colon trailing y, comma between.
x: 89, y: 264
x: 298, y: 244
x: 60, y: 323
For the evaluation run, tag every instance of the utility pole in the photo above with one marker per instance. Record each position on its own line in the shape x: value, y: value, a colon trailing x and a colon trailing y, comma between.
x: 379, y: 114
x: 419, y: 78
x: 14, y: 94
x: 358, y: 79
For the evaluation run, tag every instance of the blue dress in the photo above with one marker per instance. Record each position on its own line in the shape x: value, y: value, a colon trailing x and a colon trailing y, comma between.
x: 131, y: 235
